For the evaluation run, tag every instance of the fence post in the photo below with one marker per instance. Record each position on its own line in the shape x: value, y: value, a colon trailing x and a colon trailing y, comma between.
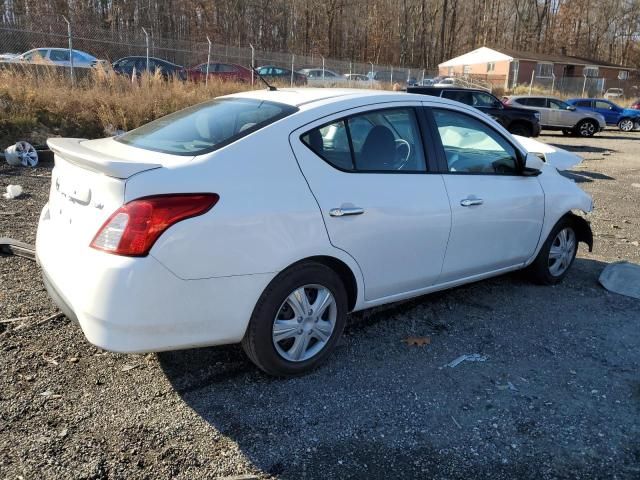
x: 293, y: 58
x: 372, y: 75
x: 533, y: 74
x: 350, y: 73
x: 206, y: 79
x: 392, y: 75
x: 423, y: 76
x: 408, y: 76
x: 146, y: 36
x: 253, y: 54
x: 584, y: 84
x: 70, y: 50
x: 322, y: 68
x: 553, y: 82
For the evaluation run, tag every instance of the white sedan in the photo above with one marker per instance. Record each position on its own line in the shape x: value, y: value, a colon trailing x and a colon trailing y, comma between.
x: 265, y: 217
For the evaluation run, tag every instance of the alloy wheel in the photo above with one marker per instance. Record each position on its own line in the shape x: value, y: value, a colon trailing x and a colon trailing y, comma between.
x: 587, y: 129
x: 626, y: 125
x: 304, y: 323
x: 562, y: 251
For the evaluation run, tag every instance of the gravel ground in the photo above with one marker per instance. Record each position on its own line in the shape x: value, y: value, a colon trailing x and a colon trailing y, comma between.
x: 557, y: 397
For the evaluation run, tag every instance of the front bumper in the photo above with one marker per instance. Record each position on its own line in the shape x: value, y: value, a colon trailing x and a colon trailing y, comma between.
x: 137, y: 305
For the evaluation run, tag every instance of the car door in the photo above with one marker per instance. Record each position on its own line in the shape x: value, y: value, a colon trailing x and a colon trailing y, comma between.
x: 560, y: 114
x: 540, y: 105
x: 367, y: 169
x: 607, y: 110
x: 60, y: 57
x: 497, y: 213
x: 489, y: 105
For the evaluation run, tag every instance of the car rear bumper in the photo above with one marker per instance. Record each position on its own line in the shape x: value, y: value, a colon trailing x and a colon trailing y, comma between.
x: 137, y: 305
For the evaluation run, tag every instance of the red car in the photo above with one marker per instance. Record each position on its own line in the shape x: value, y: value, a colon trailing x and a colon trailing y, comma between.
x: 635, y: 105
x: 222, y: 71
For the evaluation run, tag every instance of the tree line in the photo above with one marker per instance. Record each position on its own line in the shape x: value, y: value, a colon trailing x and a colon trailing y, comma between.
x: 413, y: 33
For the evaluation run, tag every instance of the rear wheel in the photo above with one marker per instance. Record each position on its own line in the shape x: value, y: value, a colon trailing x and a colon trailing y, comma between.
x: 297, y: 320
x: 556, y: 255
x: 520, y: 129
x: 626, y: 124
x: 586, y: 128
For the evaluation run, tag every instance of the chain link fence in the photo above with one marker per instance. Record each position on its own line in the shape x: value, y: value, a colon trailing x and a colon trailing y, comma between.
x: 18, y: 36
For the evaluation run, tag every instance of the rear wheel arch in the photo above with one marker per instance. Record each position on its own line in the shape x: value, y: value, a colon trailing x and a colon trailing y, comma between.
x: 343, y: 270
x: 517, y: 127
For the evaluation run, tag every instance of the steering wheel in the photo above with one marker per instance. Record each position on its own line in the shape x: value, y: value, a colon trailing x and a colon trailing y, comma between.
x: 403, y: 149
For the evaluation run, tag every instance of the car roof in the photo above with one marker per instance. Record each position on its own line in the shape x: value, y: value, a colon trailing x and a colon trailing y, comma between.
x: 310, y: 97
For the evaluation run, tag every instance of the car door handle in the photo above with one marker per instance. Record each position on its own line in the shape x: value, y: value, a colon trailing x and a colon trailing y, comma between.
x: 344, y: 211
x: 468, y: 202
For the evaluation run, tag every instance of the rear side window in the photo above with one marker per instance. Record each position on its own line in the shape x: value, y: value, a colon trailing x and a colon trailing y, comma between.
x: 379, y: 141
x: 533, y: 102
x: 583, y: 103
x: 206, y: 127
x: 459, y: 96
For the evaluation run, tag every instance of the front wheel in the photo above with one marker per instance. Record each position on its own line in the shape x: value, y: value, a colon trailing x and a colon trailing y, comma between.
x: 297, y: 321
x: 586, y: 128
x: 626, y: 124
x: 520, y: 129
x: 556, y: 255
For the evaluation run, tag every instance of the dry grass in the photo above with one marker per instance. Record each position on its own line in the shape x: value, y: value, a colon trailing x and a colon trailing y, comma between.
x: 38, y: 103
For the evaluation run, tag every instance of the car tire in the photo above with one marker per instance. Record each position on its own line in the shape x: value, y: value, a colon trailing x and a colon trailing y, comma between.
x: 520, y: 129
x: 306, y: 339
x: 586, y: 128
x: 556, y: 255
x: 626, y: 124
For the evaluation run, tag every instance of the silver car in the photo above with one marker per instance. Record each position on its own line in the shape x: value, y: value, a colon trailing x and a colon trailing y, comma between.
x: 558, y: 115
x: 56, y: 56
x: 326, y: 77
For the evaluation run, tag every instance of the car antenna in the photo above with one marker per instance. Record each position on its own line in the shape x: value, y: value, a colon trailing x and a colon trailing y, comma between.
x: 270, y: 87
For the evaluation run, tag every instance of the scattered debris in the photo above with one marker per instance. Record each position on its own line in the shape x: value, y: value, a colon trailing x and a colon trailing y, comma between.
x: 13, y: 191
x: 457, y: 424
x: 8, y: 213
x: 63, y: 433
x: 74, y: 360
x: 417, y: 341
x: 52, y: 361
x: 22, y: 153
x: 50, y: 394
x: 472, y: 357
x: 508, y: 386
x: 16, y: 319
x: 126, y: 368
x: 622, y: 278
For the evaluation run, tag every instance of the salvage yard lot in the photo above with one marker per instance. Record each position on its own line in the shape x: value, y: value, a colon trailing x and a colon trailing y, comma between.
x: 557, y: 397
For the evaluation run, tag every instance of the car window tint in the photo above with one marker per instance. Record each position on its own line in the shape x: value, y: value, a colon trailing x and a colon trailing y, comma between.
x: 224, y: 68
x: 331, y: 143
x: 481, y: 99
x: 471, y: 146
x: 387, y: 140
x: 461, y: 96
x: 82, y: 57
x: 381, y: 140
x: 535, y: 102
x: 59, y: 55
x: 583, y: 103
x: 601, y: 104
x: 205, y: 127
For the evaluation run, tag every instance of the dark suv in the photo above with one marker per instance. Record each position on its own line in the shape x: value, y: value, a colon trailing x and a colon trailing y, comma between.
x: 519, y: 121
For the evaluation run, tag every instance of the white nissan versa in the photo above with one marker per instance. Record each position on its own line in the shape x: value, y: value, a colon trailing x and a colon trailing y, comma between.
x: 266, y: 216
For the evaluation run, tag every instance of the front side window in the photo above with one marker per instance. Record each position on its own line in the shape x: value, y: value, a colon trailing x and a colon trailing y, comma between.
x: 35, y: 55
x: 471, y: 146
x: 603, y: 105
x: 59, y: 55
x: 206, y: 127
x: 224, y: 68
x: 378, y: 141
x: 481, y: 99
x: 557, y: 104
x: 462, y: 96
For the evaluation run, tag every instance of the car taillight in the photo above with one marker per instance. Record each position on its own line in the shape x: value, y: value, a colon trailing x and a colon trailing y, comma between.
x: 134, y: 228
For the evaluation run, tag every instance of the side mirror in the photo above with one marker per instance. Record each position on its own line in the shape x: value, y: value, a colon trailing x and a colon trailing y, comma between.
x: 533, y: 165
x: 571, y: 108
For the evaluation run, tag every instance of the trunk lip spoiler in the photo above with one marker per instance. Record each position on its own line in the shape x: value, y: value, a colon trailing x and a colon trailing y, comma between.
x: 72, y: 150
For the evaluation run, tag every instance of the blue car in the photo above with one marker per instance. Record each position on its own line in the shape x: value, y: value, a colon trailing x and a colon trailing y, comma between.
x: 626, y: 119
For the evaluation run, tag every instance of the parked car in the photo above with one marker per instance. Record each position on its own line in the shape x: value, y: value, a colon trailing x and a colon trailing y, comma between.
x: 614, y: 93
x: 7, y: 56
x: 356, y: 77
x: 445, y: 82
x: 55, y: 56
x: 138, y: 64
x: 280, y: 74
x: 321, y: 76
x: 519, y: 121
x: 635, y: 105
x: 558, y: 115
x: 254, y: 218
x: 221, y: 71
x: 626, y: 119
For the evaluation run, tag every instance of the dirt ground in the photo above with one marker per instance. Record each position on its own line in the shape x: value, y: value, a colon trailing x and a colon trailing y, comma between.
x: 557, y: 397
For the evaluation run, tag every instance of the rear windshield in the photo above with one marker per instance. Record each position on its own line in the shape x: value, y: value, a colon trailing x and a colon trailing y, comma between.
x: 207, y: 126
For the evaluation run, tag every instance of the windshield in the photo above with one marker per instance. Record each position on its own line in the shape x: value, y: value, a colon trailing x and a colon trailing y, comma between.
x: 207, y: 126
